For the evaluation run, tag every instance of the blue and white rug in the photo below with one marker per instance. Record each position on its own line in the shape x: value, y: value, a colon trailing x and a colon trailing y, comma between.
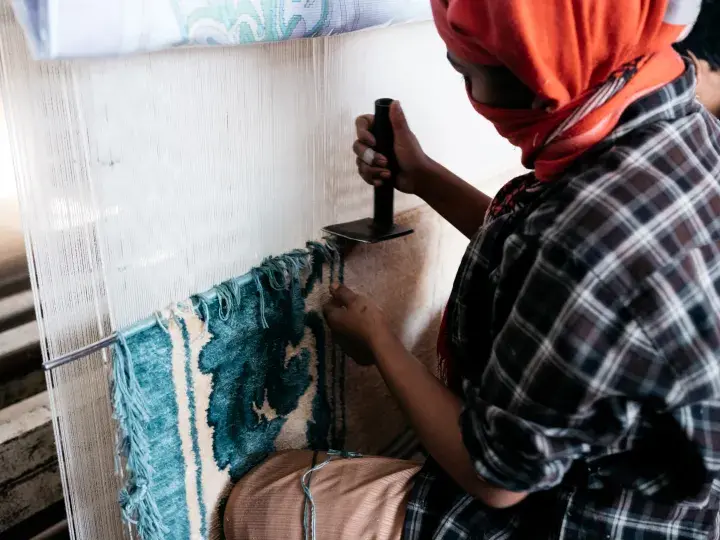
x: 78, y: 28
x: 207, y: 388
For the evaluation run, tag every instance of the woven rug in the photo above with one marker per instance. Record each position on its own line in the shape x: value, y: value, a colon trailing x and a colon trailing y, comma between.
x: 205, y: 389
x: 78, y: 28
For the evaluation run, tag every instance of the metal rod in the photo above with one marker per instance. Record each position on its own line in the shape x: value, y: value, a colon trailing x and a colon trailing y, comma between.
x: 112, y: 338
x: 142, y: 325
x: 80, y: 353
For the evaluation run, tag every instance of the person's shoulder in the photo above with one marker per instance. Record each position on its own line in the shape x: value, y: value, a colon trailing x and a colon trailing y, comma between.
x: 638, y: 203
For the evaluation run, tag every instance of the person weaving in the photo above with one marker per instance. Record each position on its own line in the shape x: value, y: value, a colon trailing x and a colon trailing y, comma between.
x: 581, y: 342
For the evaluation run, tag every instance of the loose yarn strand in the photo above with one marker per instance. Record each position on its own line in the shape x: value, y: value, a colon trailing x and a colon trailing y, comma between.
x: 310, y: 518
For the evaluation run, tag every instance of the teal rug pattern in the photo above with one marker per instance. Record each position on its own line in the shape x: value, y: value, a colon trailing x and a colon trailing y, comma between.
x: 113, y: 27
x: 207, y: 388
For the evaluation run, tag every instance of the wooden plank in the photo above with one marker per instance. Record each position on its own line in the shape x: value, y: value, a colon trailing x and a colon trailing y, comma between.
x: 16, y: 309
x: 20, y: 351
x: 58, y: 531
x: 29, y: 478
x: 19, y: 339
x: 48, y: 524
x: 15, y: 283
x: 20, y: 357
x: 17, y: 421
x: 15, y: 389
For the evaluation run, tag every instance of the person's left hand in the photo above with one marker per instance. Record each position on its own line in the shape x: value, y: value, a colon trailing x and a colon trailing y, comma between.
x: 356, y: 322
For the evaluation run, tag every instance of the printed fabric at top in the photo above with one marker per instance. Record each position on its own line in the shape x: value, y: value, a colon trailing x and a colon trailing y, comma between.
x: 204, y: 390
x: 78, y: 28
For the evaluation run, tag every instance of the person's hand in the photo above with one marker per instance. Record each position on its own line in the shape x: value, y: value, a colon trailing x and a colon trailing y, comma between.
x: 357, y: 324
x: 411, y: 159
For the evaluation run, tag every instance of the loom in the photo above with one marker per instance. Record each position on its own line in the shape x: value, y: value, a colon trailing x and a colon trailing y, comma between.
x: 148, y: 177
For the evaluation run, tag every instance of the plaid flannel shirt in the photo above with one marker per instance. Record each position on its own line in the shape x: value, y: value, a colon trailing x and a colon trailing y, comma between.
x: 586, y: 324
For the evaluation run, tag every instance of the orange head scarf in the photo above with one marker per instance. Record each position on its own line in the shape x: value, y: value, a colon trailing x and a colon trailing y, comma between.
x: 568, y: 52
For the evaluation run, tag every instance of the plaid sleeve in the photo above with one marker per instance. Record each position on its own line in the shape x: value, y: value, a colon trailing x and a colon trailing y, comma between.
x: 564, y: 352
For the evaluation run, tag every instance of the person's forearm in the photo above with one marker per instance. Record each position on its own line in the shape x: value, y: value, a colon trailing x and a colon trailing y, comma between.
x: 434, y: 412
x: 461, y: 204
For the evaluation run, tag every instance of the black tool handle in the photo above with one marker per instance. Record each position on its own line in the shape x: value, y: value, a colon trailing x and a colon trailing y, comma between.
x: 384, y: 144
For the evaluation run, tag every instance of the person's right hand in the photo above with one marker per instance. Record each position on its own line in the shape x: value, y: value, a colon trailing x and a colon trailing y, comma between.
x: 411, y: 159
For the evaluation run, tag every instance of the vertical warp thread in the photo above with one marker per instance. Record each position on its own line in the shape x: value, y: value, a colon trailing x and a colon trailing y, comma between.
x: 343, y: 419
x: 342, y: 360
x: 333, y: 375
x: 333, y: 401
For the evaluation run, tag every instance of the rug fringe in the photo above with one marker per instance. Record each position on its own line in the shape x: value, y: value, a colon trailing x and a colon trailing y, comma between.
x: 283, y: 270
x: 138, y: 507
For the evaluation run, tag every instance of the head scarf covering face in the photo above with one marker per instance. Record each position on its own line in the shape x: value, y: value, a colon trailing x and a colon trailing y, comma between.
x: 585, y: 60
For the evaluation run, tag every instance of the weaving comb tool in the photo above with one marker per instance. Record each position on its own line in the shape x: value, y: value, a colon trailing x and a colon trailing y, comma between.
x: 381, y: 226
